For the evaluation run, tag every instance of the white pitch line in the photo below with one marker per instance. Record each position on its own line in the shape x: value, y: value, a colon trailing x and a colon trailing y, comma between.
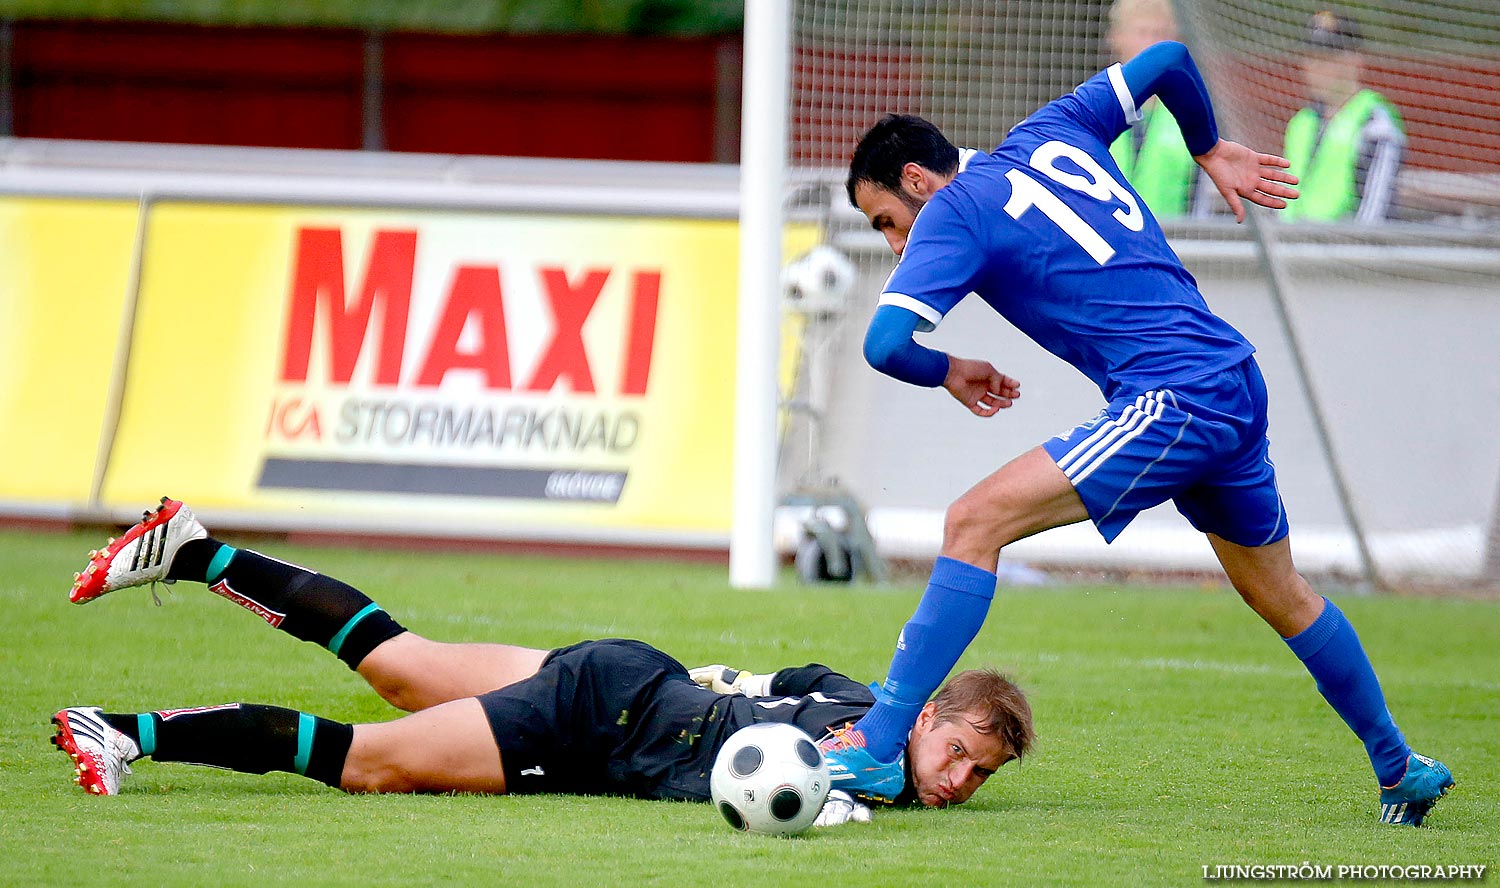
x: 1176, y: 664
x: 1172, y: 664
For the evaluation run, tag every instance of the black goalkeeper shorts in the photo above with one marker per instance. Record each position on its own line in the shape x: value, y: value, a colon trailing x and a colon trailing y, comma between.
x: 614, y: 716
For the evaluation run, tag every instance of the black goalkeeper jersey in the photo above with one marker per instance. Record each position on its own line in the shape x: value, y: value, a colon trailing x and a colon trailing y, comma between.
x: 812, y: 697
x: 621, y: 717
x: 815, y: 699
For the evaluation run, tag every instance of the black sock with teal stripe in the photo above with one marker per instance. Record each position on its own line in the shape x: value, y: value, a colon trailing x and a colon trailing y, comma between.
x: 300, y: 602
x: 245, y: 737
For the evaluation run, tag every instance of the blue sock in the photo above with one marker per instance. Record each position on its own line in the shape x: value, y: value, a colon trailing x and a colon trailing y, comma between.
x: 947, y: 618
x: 1331, y: 651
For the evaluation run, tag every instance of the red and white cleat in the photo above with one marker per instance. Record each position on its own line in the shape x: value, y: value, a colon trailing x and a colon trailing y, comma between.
x: 101, y: 755
x: 143, y: 555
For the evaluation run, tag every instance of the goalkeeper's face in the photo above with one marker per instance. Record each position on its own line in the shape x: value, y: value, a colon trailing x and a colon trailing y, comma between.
x: 950, y: 758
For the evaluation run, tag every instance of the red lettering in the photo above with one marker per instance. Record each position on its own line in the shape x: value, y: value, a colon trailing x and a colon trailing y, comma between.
x: 642, y: 333
x: 475, y: 292
x: 293, y: 418
x: 318, y: 278
x: 571, y: 305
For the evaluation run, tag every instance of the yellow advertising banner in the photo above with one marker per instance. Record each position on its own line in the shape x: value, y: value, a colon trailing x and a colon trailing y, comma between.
x: 441, y: 371
x: 64, y: 275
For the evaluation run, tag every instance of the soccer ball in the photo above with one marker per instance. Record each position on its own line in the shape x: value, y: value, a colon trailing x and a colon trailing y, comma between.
x: 769, y: 778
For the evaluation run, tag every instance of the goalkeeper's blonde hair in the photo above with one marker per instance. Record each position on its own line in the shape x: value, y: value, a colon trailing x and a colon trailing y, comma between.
x: 992, y: 704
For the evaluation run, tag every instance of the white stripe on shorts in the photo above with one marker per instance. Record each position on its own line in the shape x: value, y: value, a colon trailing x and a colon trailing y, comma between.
x: 1159, y: 457
x: 1106, y: 441
x: 1106, y: 432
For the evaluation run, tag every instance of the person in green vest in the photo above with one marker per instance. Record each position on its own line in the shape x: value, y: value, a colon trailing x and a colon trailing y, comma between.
x: 1152, y: 154
x: 1346, y: 146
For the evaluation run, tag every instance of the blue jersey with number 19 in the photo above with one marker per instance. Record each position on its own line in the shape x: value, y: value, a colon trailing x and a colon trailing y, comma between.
x: 1046, y: 230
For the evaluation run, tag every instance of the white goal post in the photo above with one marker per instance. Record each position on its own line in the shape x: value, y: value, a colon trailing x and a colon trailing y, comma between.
x: 752, y: 556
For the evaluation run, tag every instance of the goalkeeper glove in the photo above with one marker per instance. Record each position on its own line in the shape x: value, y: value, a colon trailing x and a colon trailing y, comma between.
x: 842, y: 808
x: 727, y: 680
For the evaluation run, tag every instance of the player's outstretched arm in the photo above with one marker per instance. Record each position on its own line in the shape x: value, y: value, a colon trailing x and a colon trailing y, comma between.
x: 1240, y: 172
x: 1167, y: 70
x: 723, y: 679
x: 979, y: 386
x: 842, y: 808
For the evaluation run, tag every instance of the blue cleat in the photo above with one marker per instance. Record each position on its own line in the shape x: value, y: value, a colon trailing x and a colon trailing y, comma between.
x: 852, y: 768
x: 1407, y: 803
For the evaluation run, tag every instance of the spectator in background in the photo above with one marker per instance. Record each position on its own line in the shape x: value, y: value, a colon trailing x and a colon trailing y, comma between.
x: 1345, y: 147
x: 1152, y: 154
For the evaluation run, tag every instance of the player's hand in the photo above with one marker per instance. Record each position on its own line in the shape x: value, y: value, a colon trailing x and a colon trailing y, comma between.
x: 979, y: 386
x: 841, y: 808
x: 720, y: 679
x: 1239, y: 172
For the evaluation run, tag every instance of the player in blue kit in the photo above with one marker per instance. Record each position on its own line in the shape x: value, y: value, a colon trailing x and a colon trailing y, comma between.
x: 1047, y: 231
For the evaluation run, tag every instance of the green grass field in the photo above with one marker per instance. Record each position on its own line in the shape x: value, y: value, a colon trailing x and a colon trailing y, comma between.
x: 1175, y: 731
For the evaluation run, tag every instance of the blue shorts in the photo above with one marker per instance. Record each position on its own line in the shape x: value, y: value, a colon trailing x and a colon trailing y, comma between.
x: 1200, y: 443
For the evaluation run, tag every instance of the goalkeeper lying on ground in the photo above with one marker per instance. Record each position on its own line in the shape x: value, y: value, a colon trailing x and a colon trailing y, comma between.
x: 599, y: 717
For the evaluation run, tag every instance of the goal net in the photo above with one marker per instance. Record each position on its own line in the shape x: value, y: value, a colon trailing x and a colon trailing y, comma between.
x: 1376, y: 335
